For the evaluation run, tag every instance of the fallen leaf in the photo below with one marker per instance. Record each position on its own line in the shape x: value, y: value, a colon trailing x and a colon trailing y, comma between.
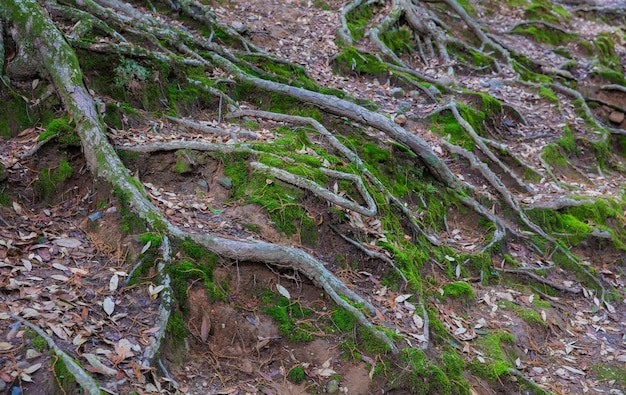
x: 114, y: 282
x: 283, y: 291
x: 4, y: 346
x: 108, y: 305
x: 68, y: 242
x: 97, y: 366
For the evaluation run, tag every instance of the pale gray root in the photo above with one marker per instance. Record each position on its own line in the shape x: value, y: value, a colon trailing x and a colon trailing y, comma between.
x: 371, y: 254
x: 348, y: 109
x: 232, y: 105
x: 322, y: 192
x: 391, y: 19
x: 517, y: 113
x: 452, y: 106
x: 557, y: 204
x: 88, y: 23
x: 82, y: 377
x: 293, y: 258
x: 475, y: 27
x: 346, y: 152
x: 344, y: 32
x: 416, y: 21
x: 505, y: 148
x: 204, y: 14
x: 234, y: 134
x: 198, y: 146
x: 165, y: 307
x: 104, y: 163
x: 613, y: 87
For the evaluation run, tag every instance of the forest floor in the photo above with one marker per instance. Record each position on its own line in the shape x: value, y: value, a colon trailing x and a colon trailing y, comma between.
x: 65, y: 258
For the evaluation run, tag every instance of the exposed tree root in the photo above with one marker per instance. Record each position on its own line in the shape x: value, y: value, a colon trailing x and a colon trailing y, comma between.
x: 371, y: 253
x: 82, y: 377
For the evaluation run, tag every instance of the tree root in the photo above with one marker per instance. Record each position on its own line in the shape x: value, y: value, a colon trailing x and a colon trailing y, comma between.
x: 82, y: 377
x: 526, y: 272
x: 322, y: 192
x: 347, y: 153
x: 371, y: 253
x: 103, y: 161
x: 233, y: 134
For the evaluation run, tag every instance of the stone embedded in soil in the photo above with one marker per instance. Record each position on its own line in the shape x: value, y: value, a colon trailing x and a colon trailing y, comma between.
x: 396, y: 92
x: 401, y: 119
x: 226, y: 182
x: 616, y: 117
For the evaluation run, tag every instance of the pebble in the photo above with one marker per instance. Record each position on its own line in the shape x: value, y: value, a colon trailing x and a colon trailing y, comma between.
x: 401, y: 119
x: 404, y: 106
x: 239, y: 27
x: 396, y: 92
x: 203, y: 184
x: 332, y: 386
x: 616, y: 117
x: 226, y: 182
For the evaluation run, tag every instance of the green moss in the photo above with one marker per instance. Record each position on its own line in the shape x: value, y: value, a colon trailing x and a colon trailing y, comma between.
x: 131, y: 222
x: 129, y: 70
x: 424, y: 377
x: 176, y: 328
x: 343, y: 319
x: 371, y: 343
x: 553, y: 156
x: 528, y: 70
x: 545, y: 10
x: 605, y: 49
x: 296, y: 374
x: 459, y: 289
x: 65, y: 382
x: 446, y: 125
x: 468, y: 7
x: 289, y: 317
x: 357, y: 20
x: 35, y: 341
x: 568, y: 141
x: 15, y: 115
x: 549, y: 94
x: 398, y: 39
x: 542, y: 304
x: 45, y: 187
x: 499, y: 363
x: 606, y: 372
x: 543, y: 34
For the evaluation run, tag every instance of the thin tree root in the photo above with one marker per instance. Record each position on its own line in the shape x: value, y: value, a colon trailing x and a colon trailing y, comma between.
x: 372, y: 254
x: 322, y: 192
x: 82, y: 377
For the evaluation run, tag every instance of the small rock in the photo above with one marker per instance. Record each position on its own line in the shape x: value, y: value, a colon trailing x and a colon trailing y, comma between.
x: 404, y: 106
x: 238, y: 27
x: 415, y: 94
x: 3, y: 385
x: 616, y: 117
x: 226, y: 182
x: 203, y: 184
x: 434, y: 90
x: 111, y: 210
x: 332, y: 386
x: 30, y: 354
x: 401, y: 119
x: 95, y: 216
x: 396, y: 92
